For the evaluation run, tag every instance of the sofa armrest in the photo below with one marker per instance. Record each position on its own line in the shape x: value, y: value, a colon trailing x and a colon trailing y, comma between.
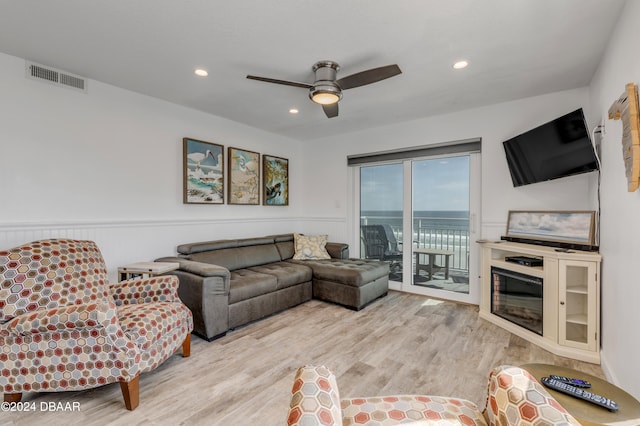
x: 163, y: 288
x: 199, y: 268
x: 72, y: 317
x: 338, y: 250
x: 315, y: 399
x: 507, y: 380
x: 204, y: 288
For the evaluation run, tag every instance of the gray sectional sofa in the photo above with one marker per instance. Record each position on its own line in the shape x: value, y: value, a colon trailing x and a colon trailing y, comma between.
x: 229, y: 283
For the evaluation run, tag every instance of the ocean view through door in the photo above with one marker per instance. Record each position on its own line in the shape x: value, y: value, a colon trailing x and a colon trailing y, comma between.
x: 432, y: 197
x: 440, y: 218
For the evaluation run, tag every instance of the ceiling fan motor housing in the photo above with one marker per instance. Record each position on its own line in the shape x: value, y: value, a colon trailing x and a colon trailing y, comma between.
x: 325, y: 90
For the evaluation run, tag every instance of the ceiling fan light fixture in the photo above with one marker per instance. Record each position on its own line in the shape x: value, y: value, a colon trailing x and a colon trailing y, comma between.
x: 325, y: 94
x: 325, y: 98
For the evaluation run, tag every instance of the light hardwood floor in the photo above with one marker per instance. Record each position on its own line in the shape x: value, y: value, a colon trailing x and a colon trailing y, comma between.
x: 402, y: 343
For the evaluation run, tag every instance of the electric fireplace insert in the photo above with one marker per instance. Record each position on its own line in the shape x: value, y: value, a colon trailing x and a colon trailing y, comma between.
x: 517, y: 298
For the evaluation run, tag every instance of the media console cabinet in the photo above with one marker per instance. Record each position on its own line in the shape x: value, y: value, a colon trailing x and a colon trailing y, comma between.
x: 555, y: 306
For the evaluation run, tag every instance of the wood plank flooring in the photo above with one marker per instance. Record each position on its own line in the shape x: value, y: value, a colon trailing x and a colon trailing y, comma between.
x: 400, y: 344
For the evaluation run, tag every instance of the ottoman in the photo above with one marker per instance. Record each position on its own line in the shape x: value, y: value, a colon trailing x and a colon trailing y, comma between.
x: 353, y: 283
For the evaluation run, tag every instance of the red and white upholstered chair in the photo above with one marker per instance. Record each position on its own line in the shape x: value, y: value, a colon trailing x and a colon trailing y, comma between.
x: 514, y: 398
x: 63, y: 327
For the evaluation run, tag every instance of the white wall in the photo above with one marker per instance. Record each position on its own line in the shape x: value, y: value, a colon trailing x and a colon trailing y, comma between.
x: 494, y: 124
x: 107, y: 165
x: 620, y: 223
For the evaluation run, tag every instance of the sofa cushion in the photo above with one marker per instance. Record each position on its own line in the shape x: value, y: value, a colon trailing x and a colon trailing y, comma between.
x: 246, y: 284
x: 206, y: 246
x: 282, y: 237
x: 286, y: 249
x: 239, y: 257
x: 338, y: 250
x: 288, y: 274
x: 355, y: 272
x: 192, y: 248
x: 257, y: 241
x: 310, y: 247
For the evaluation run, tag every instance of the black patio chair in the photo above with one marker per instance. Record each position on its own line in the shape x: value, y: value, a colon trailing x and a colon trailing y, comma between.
x: 377, y: 245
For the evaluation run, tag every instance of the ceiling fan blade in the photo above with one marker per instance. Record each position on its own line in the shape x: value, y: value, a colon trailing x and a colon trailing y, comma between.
x: 368, y: 76
x: 331, y: 110
x: 284, y: 82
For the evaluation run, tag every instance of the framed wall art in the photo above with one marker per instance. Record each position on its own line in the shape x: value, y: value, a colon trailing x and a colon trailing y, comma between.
x: 244, y: 176
x: 577, y: 227
x: 275, y: 181
x: 203, y: 175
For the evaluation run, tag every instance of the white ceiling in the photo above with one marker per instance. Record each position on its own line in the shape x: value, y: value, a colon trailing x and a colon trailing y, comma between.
x: 516, y: 49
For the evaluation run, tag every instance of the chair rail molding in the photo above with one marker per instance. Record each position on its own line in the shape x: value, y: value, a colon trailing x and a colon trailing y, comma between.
x: 124, y: 223
x: 123, y: 241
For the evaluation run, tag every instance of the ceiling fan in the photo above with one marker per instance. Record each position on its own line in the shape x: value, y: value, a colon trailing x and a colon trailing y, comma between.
x: 326, y: 90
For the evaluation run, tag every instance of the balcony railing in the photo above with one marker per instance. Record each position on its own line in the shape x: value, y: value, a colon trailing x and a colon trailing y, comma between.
x: 444, y: 233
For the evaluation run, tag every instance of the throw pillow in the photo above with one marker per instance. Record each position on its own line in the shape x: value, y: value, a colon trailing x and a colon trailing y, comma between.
x: 310, y: 247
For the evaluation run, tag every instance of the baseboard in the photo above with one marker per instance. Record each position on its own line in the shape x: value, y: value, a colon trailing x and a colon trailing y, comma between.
x: 606, y: 369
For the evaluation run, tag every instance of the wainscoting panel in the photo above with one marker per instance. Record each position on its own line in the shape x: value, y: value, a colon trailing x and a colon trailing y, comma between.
x: 123, y: 242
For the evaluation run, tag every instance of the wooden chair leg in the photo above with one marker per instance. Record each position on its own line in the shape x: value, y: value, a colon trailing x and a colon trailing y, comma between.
x: 12, y: 397
x: 131, y: 393
x: 186, y: 346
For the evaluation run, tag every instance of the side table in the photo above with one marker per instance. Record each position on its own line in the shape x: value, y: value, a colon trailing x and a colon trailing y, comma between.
x: 586, y: 412
x: 432, y: 253
x: 145, y: 268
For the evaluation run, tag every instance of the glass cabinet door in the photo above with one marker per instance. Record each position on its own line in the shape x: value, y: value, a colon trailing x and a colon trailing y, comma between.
x: 577, y: 313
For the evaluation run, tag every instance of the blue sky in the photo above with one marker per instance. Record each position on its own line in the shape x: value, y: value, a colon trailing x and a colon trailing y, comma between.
x: 439, y: 184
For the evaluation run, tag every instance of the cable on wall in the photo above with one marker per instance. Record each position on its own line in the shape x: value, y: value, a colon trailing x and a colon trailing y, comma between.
x: 599, y: 130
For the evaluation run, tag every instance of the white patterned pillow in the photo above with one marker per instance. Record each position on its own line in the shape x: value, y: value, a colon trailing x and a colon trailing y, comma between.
x: 310, y: 247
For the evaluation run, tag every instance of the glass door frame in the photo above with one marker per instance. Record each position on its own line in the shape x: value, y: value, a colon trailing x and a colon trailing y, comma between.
x: 473, y: 297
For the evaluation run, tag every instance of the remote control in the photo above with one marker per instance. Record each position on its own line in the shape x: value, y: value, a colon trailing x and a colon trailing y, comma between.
x: 580, y: 393
x: 571, y: 381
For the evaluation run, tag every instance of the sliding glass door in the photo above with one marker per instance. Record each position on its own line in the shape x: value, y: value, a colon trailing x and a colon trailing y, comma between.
x: 434, y: 199
x: 381, y: 215
x: 440, y: 219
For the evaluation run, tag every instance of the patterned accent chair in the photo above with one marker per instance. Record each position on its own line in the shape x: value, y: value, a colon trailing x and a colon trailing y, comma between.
x: 514, y: 398
x: 62, y: 327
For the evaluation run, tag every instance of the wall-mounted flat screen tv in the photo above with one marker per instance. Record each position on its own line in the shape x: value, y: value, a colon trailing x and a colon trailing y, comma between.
x: 556, y: 149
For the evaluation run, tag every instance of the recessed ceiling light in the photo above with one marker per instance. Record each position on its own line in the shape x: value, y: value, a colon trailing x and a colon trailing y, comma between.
x: 201, y: 72
x: 293, y: 111
x: 460, y: 64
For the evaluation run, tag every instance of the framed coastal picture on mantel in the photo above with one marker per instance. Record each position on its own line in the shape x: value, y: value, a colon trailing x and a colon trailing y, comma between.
x: 275, y: 181
x: 577, y: 227
x: 244, y: 176
x: 203, y: 177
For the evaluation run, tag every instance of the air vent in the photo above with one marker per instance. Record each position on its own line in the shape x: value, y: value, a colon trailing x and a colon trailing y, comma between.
x: 55, y: 76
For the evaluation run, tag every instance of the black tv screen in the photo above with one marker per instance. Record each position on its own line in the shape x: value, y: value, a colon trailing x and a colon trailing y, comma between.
x: 556, y: 149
